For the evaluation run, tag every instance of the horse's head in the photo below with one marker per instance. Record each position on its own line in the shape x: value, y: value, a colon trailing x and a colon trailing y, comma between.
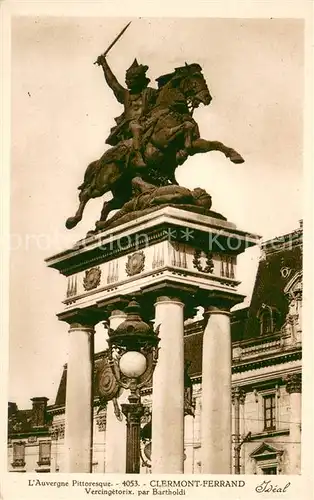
x: 194, y: 85
x: 191, y: 82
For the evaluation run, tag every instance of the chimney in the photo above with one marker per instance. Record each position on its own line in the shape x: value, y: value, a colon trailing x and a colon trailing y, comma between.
x: 39, y: 411
x: 12, y: 408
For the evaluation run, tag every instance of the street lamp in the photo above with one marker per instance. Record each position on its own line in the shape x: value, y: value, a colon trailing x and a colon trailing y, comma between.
x: 133, y: 354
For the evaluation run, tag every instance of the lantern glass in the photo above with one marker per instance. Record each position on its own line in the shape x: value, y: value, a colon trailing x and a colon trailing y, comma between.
x: 133, y: 364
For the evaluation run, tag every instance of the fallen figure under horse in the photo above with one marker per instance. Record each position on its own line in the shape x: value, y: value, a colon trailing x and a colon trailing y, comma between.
x: 147, y: 198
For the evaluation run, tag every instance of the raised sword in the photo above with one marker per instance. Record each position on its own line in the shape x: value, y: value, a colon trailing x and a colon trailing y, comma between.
x: 114, y: 41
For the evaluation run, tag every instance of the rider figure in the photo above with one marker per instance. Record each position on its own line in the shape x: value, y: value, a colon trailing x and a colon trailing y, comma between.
x: 137, y: 99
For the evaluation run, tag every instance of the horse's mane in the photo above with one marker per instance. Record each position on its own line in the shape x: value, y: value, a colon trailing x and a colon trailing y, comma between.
x: 180, y: 72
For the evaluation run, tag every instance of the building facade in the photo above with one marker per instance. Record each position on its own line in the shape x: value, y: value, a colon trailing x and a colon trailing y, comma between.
x: 266, y: 388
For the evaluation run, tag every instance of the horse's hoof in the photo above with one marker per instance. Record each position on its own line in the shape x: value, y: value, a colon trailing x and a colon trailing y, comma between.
x: 236, y: 158
x: 71, y: 222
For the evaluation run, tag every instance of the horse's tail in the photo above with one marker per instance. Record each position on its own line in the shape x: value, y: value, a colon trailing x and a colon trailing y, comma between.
x: 116, y: 154
x: 89, y: 175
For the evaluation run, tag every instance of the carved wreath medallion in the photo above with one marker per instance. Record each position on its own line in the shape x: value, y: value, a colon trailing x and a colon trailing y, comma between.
x: 209, y: 267
x: 92, y: 278
x: 108, y: 386
x: 135, y: 263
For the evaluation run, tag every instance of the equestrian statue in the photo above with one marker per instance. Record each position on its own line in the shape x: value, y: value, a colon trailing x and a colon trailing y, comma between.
x: 153, y: 136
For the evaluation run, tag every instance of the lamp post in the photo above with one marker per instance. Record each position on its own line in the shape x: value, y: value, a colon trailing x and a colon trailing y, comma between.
x: 133, y: 354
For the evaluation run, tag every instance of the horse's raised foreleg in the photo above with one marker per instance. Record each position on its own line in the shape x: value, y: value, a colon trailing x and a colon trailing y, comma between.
x: 84, y: 197
x: 204, y: 146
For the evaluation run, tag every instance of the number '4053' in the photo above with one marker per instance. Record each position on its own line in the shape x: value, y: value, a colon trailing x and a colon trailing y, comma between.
x: 130, y: 483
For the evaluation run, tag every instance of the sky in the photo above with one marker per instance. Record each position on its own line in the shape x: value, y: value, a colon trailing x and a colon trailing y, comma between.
x: 62, y: 111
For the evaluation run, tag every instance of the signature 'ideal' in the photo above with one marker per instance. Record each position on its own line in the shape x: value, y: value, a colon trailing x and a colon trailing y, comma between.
x: 268, y: 487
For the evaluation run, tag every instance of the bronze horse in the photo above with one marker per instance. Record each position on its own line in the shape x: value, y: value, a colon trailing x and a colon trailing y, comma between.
x: 170, y: 135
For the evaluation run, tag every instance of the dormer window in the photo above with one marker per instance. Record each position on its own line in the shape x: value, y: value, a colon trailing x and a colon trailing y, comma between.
x: 268, y: 317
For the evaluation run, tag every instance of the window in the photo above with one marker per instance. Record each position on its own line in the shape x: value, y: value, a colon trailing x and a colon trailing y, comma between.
x: 268, y: 317
x: 270, y: 412
x: 267, y: 459
x: 44, y: 453
x: 18, y: 454
x: 269, y: 470
x: 266, y: 323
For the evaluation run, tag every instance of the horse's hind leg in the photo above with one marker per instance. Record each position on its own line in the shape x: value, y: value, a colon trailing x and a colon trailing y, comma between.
x: 84, y: 197
x: 108, y: 206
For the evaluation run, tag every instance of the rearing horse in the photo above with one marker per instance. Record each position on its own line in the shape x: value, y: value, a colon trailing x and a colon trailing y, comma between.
x: 170, y: 135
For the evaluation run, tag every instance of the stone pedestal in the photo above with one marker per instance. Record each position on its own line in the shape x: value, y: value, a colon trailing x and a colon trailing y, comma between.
x: 171, y: 252
x: 168, y: 389
x: 79, y: 397
x: 294, y: 387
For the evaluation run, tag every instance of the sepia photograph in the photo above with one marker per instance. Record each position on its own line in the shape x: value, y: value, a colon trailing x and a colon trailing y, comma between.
x: 156, y: 249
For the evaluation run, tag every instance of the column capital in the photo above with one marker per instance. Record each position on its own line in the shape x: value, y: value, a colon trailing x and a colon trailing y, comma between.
x: 220, y: 301
x: 239, y: 394
x: 187, y: 294
x: 82, y: 318
x: 117, y: 314
x: 169, y: 299
x: 107, y: 306
x: 294, y: 383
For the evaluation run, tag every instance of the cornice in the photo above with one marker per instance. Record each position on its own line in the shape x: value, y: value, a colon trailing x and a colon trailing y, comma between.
x: 261, y: 363
x: 281, y: 243
x: 260, y: 340
x: 83, y: 256
x: 270, y: 434
x: 31, y: 432
x: 58, y: 410
x: 154, y: 228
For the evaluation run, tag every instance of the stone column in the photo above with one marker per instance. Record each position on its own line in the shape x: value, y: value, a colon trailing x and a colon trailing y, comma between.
x: 79, y: 399
x: 294, y: 388
x: 168, y: 389
x: 115, y: 457
x: 216, y: 390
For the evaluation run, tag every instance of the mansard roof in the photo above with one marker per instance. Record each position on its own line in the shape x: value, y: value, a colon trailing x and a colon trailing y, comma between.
x: 280, y: 263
